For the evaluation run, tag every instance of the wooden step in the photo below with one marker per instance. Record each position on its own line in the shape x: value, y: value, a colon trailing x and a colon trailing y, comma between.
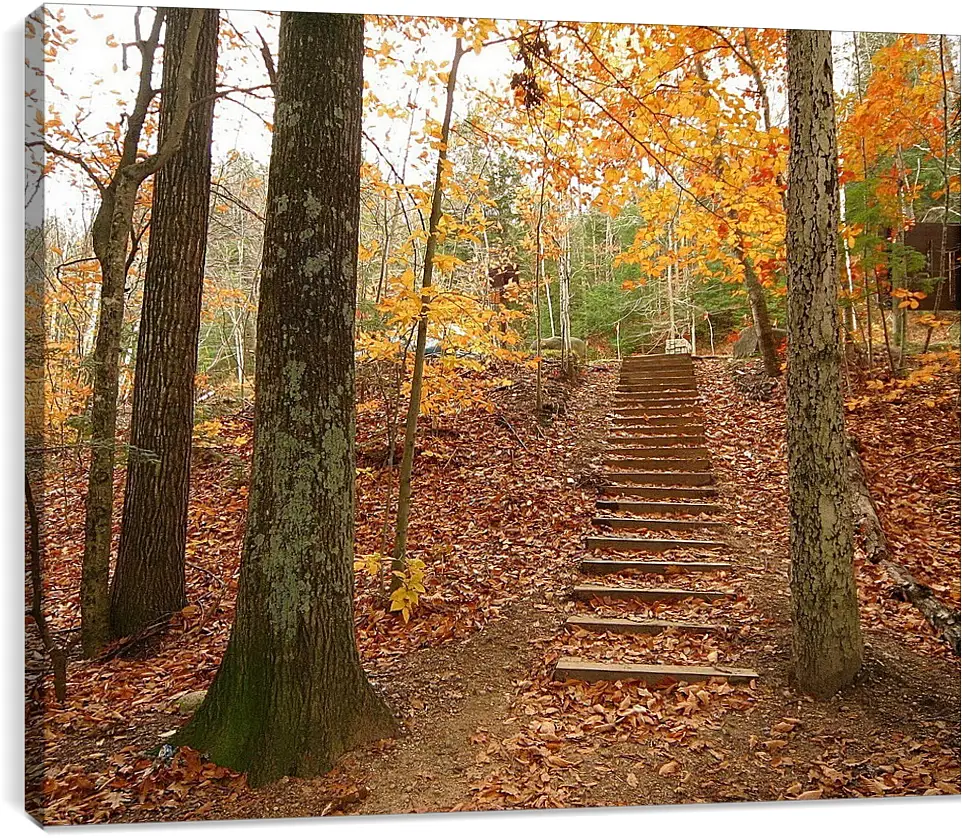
x: 655, y: 523
x: 644, y: 506
x: 585, y: 592
x: 659, y: 492
x: 656, y: 464
x: 657, y: 410
x: 655, y: 406
x: 663, y: 478
x: 661, y: 452
x: 655, y: 387
x: 688, y: 422
x: 658, y: 427
x: 655, y: 373
x: 690, y: 418
x: 576, y: 669
x: 642, y: 384
x: 655, y: 437
x: 629, y: 380
x: 657, y: 397
x: 600, y: 567
x: 683, y: 366
x: 620, y: 625
x: 631, y: 544
x: 656, y: 401
x: 627, y: 440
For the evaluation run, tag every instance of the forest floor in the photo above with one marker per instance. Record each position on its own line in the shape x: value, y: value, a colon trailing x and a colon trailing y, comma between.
x: 501, y: 505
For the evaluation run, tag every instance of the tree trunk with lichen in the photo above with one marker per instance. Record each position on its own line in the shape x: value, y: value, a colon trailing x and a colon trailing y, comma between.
x: 290, y: 696
x: 148, y: 583
x: 825, y: 618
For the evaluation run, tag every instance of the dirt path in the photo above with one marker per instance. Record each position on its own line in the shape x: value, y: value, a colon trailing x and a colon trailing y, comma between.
x: 522, y: 740
x: 500, y: 733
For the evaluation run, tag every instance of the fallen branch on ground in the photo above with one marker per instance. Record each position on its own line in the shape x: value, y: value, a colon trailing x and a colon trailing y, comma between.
x: 944, y: 620
x: 58, y: 657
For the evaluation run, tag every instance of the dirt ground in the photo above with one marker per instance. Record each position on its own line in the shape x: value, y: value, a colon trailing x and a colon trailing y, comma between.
x: 484, y: 725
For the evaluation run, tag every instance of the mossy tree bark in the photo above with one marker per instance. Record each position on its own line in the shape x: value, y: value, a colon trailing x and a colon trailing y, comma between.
x: 290, y: 696
x: 148, y: 583
x: 827, y: 637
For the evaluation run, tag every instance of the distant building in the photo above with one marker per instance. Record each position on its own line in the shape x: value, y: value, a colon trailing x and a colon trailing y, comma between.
x: 927, y: 240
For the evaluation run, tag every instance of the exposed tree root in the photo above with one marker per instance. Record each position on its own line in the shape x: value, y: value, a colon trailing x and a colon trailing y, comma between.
x: 943, y: 619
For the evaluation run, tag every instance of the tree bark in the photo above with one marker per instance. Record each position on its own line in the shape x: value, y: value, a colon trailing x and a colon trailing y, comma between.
x: 399, y: 560
x: 148, y: 583
x: 944, y: 279
x: 111, y: 235
x: 538, y: 269
x: 827, y: 636
x: 760, y: 316
x: 290, y: 696
x: 568, y: 367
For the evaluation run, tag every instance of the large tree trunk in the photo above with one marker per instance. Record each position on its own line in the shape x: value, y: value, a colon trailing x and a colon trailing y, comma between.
x: 828, y: 641
x: 290, y: 696
x: 148, y: 582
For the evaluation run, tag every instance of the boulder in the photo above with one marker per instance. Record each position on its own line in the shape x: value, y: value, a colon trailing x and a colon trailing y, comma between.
x: 578, y: 346
x: 190, y: 702
x: 747, y: 343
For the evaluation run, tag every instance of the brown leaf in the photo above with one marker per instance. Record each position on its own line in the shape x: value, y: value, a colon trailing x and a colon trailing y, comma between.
x: 668, y: 768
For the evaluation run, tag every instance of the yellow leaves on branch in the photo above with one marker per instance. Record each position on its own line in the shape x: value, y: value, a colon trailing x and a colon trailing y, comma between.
x: 411, y: 585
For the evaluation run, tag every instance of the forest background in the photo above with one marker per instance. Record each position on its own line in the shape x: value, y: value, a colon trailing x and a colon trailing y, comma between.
x: 860, y: 16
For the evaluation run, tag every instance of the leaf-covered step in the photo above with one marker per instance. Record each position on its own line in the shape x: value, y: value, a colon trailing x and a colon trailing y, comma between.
x: 654, y: 388
x: 644, y: 400
x: 600, y: 567
x: 585, y: 592
x: 690, y: 423
x: 656, y: 523
x: 620, y: 625
x: 576, y: 669
x: 629, y: 438
x: 659, y: 464
x: 659, y: 452
x: 660, y: 492
x: 657, y: 410
x: 662, y: 478
x: 666, y: 507
x: 652, y: 545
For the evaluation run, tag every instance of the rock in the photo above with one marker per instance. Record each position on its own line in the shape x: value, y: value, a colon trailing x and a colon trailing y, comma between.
x: 747, y: 344
x: 189, y: 702
x: 578, y: 346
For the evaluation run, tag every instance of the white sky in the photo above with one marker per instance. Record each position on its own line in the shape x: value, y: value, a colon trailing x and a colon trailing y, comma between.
x: 236, y: 128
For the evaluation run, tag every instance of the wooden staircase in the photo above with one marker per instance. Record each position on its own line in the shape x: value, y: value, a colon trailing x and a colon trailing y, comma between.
x: 657, y: 502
